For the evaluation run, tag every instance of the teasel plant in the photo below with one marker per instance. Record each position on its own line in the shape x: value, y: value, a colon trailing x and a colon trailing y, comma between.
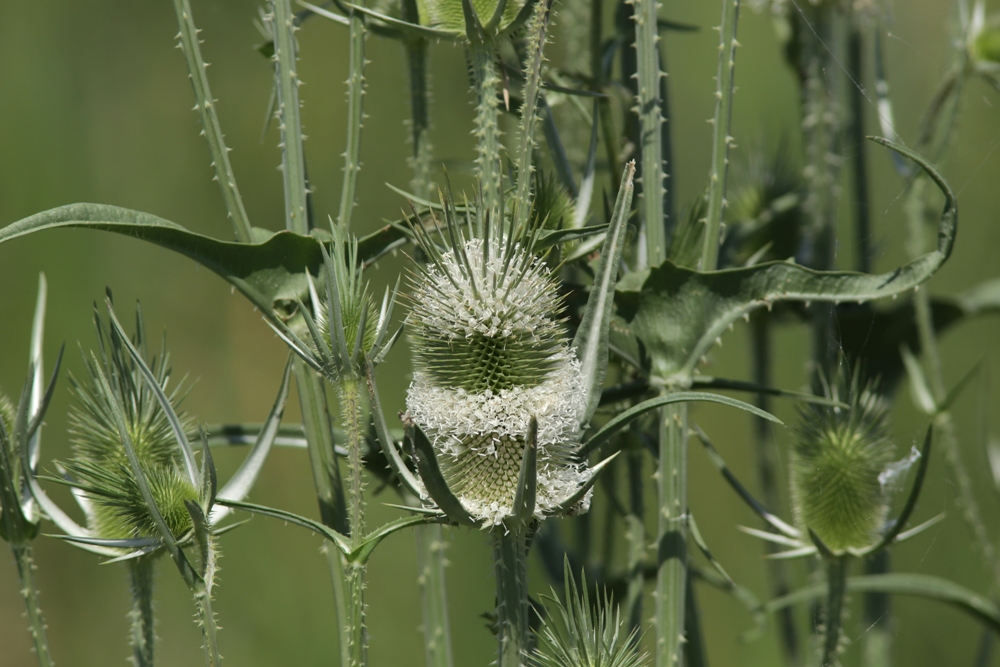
x: 20, y: 443
x: 135, y: 476
x: 843, y: 481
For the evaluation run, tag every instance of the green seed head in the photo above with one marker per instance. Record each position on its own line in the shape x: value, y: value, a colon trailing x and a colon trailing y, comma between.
x: 490, y: 353
x: 839, y: 458
x: 99, y: 466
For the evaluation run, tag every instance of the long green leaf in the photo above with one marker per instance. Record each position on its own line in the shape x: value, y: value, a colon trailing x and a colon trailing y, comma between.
x: 591, y: 340
x: 364, y: 550
x: 272, y: 274
x: 919, y: 585
x: 342, y: 542
x: 679, y: 313
x: 623, y: 419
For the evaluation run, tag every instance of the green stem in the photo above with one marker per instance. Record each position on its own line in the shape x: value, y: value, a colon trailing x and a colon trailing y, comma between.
x: 420, y: 160
x: 510, y: 558
x: 721, y: 141
x: 650, y: 111
x: 431, y: 563
x: 205, y: 104
x: 329, y: 487
x: 537, y: 34
x: 23, y: 555
x: 358, y: 638
x: 293, y: 164
x: 635, y: 535
x: 833, y: 613
x: 355, y: 118
x: 859, y: 169
x: 209, y: 629
x: 487, y: 122
x: 140, y: 575
x: 350, y: 411
x: 767, y: 475
x: 671, y: 536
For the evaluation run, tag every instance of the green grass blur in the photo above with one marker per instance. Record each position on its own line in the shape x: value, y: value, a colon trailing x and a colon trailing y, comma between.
x: 95, y: 106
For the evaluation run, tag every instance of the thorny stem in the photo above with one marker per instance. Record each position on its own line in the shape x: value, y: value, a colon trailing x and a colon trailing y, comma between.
x: 209, y: 629
x: 140, y: 575
x: 767, y: 467
x: 650, y: 111
x: 671, y: 536
x: 350, y: 410
x: 416, y: 58
x: 23, y: 555
x: 487, y: 122
x: 431, y: 563
x: 293, y: 164
x: 721, y: 141
x: 358, y: 637
x: 877, y: 650
x: 510, y: 558
x: 189, y: 43
x: 355, y: 118
x: 329, y: 488
x: 859, y: 167
x: 836, y: 582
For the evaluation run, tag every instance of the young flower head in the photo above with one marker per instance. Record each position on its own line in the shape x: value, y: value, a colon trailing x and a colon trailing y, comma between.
x: 490, y: 353
x: 100, y: 467
x: 841, y: 464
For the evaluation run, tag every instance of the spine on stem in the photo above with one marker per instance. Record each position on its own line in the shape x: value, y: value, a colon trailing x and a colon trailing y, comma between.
x: 355, y: 118
x: 205, y: 104
x: 721, y: 141
x: 510, y: 558
x: 23, y: 555
x: 140, y: 573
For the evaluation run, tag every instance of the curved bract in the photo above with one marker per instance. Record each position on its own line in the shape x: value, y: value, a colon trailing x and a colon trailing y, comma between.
x: 679, y: 313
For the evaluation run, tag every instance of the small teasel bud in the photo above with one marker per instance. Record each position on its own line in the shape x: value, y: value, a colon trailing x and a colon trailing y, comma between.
x: 99, y: 467
x: 490, y: 353
x: 839, y: 459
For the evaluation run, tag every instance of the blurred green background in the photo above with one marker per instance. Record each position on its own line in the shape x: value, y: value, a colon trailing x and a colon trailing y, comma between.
x: 95, y: 106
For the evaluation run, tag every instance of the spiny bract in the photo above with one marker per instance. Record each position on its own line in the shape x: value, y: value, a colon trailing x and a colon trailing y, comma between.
x: 838, y: 460
x: 489, y: 354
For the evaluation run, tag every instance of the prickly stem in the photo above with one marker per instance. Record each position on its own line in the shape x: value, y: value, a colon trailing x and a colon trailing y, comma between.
x: 510, y: 559
x: 487, y: 121
x: 833, y: 612
x: 205, y: 105
x: 431, y: 579
x: 293, y: 165
x: 355, y: 118
x: 721, y: 141
x: 23, y: 555
x: 671, y: 536
x: 140, y: 573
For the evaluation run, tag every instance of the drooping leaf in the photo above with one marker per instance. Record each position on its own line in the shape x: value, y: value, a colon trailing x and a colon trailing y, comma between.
x: 272, y: 273
x: 679, y: 313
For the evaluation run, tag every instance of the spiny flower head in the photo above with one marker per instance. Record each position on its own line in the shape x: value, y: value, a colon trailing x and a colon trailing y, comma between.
x: 100, y: 467
x: 490, y: 353
x: 840, y: 458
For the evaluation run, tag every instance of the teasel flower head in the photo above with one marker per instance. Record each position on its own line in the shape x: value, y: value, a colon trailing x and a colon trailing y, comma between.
x: 842, y: 471
x: 99, y: 470
x: 495, y: 382
x: 344, y: 328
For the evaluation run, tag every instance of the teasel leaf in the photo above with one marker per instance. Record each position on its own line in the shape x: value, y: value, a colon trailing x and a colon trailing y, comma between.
x: 190, y: 465
x: 239, y: 485
x: 708, y: 303
x: 271, y: 273
x: 624, y: 418
x: 382, y: 327
x: 407, y: 28
x: 911, y: 501
x: 706, y: 382
x: 746, y: 496
x: 113, y: 545
x: 191, y: 578
x: 388, y: 443
x: 918, y: 382
x: 586, y: 192
x: 342, y: 542
x: 202, y: 539
x: 591, y: 340
x: 209, y: 477
x: 433, y: 479
x: 919, y: 585
x: 36, y: 406
x: 523, y: 508
x: 381, y: 353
